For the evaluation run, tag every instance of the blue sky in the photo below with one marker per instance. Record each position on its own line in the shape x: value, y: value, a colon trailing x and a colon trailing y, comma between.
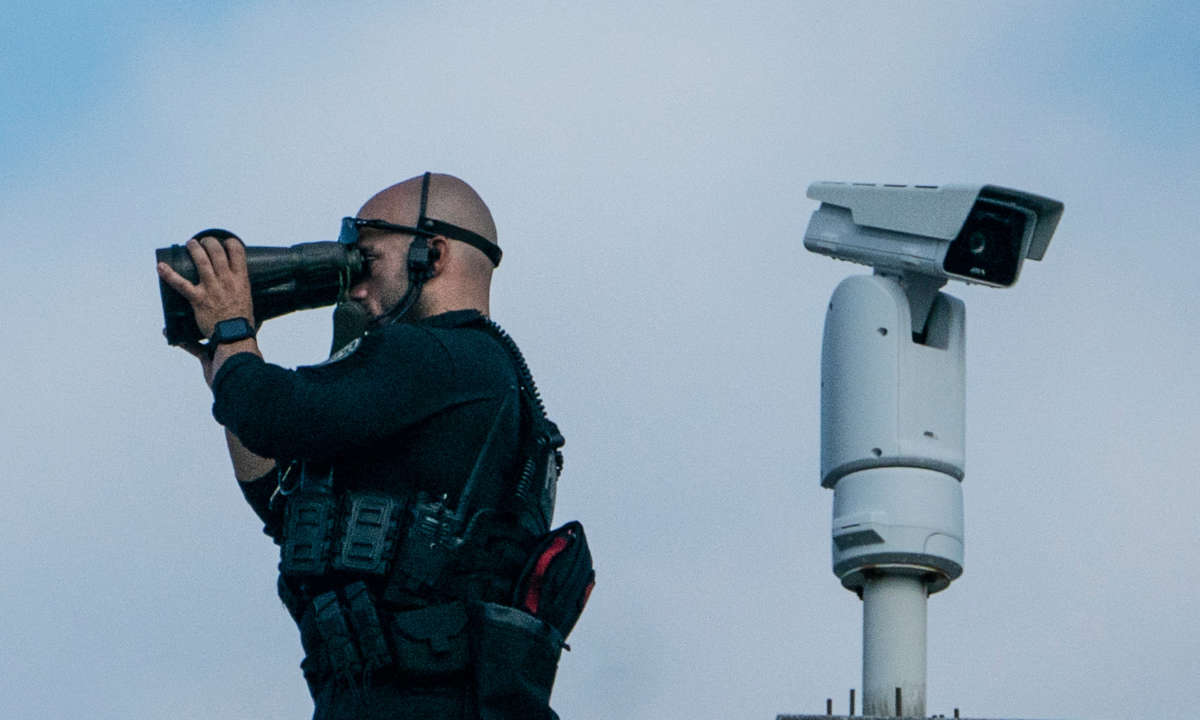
x: 63, y: 60
x: 646, y: 164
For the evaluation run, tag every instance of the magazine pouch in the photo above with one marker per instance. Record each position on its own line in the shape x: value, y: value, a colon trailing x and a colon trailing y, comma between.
x: 515, y: 657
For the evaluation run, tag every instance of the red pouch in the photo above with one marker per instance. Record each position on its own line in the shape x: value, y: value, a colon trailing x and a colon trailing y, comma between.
x: 558, y: 578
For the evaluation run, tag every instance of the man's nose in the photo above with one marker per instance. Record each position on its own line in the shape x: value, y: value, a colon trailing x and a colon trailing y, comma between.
x: 358, y: 291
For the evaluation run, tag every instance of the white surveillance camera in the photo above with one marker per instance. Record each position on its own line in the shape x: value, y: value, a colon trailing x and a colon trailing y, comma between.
x: 974, y: 233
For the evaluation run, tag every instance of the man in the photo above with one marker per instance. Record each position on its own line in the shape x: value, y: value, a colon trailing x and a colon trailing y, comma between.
x: 388, y: 474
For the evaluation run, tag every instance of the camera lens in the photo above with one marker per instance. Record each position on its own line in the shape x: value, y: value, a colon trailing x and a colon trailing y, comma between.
x: 988, y: 248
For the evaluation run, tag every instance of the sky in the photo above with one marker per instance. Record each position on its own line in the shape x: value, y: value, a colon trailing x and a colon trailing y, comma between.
x: 646, y: 164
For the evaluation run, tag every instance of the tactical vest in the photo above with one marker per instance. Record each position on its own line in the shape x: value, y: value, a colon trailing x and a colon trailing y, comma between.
x: 464, y: 589
x: 417, y: 543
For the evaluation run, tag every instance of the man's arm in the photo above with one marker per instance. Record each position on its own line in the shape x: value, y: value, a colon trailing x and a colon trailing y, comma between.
x: 255, y: 479
x: 354, y: 404
x: 246, y: 465
x: 222, y: 293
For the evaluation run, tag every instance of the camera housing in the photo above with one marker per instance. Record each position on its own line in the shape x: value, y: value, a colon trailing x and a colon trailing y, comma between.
x: 974, y: 233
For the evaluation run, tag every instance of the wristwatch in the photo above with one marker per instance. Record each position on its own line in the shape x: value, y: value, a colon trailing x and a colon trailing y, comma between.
x: 231, y: 330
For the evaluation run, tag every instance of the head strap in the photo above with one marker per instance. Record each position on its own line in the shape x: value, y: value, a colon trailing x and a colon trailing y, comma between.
x: 424, y: 196
x: 440, y: 227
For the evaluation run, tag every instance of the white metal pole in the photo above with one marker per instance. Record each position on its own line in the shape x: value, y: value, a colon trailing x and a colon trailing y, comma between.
x: 894, y: 619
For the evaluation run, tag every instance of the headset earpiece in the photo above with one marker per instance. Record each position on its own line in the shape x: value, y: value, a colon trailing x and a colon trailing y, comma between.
x: 421, y: 257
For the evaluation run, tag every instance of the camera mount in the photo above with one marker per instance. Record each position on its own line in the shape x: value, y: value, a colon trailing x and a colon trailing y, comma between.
x: 893, y: 397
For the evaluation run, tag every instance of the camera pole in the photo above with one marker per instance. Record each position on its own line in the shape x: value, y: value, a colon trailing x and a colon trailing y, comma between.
x: 892, y: 446
x: 893, y: 674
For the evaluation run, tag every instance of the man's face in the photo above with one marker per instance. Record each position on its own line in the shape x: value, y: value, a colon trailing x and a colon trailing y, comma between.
x: 385, y: 276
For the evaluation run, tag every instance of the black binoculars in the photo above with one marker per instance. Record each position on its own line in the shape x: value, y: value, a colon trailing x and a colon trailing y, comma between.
x: 282, y: 280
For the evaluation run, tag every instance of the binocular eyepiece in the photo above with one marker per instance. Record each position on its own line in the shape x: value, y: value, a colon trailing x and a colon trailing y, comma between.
x: 282, y: 280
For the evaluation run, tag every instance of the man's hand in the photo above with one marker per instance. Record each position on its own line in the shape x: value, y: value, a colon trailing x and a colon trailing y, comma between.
x: 222, y: 293
x: 224, y: 288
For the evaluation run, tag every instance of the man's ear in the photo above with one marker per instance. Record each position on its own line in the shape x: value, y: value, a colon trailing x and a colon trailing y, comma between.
x: 437, y: 252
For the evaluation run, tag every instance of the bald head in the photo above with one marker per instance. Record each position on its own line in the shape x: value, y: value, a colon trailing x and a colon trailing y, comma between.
x: 463, y: 273
x: 450, y: 200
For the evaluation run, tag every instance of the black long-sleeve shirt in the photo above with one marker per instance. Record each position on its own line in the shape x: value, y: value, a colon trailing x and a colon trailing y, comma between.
x: 412, y: 404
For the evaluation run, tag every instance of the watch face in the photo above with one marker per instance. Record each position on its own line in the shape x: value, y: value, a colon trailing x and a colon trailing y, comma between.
x: 232, y: 330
